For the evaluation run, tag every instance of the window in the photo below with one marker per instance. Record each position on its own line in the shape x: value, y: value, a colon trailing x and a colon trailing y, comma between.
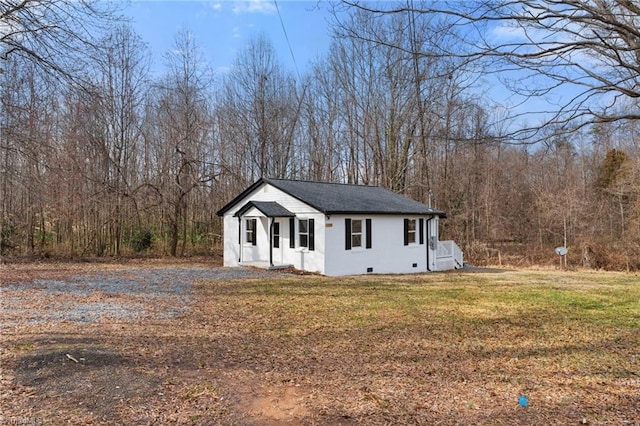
x: 303, y: 233
x: 409, y: 231
x: 251, y: 231
x: 412, y: 229
x: 292, y: 232
x: 357, y: 233
x: 276, y: 235
x: 306, y: 234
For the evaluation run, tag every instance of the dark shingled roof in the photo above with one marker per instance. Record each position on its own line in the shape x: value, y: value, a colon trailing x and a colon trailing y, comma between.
x: 268, y: 208
x: 336, y: 198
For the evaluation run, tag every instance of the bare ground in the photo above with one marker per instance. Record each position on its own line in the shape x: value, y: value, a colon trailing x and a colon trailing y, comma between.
x: 106, y: 344
x: 191, y: 344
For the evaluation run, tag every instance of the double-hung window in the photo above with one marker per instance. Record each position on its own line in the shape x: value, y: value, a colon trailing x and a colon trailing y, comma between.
x: 413, y: 231
x: 357, y: 233
x: 306, y: 233
x: 250, y: 231
x: 303, y: 232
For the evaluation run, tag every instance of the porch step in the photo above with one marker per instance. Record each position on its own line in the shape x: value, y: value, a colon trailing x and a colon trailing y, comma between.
x: 276, y: 267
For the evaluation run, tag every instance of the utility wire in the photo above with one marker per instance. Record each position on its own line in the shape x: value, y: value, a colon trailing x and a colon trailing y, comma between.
x: 286, y: 36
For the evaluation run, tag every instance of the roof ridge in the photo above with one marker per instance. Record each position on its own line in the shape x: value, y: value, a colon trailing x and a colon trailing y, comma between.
x: 325, y: 183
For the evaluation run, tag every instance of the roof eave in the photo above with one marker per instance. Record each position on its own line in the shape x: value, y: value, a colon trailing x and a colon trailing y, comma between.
x: 438, y: 213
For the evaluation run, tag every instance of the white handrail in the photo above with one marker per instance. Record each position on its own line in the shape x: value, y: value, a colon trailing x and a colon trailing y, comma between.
x: 449, y: 255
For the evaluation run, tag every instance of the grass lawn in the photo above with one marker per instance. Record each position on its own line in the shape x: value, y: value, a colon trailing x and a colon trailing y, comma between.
x: 441, y: 348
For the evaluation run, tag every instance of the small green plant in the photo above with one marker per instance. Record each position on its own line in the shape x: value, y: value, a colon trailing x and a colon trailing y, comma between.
x: 142, y: 240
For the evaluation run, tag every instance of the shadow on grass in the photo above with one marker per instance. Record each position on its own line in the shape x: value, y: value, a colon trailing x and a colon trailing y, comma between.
x: 77, y: 373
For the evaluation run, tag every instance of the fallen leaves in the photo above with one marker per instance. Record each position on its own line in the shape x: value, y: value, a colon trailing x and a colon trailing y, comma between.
x: 424, y: 349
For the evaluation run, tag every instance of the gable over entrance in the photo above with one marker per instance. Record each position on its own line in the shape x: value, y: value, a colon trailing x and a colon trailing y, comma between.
x: 268, y: 208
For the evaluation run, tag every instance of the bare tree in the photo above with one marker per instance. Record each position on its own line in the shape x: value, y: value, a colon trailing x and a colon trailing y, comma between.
x: 51, y: 36
x: 263, y: 109
x: 321, y: 158
x: 122, y: 83
x: 581, y: 58
x: 184, y: 158
x: 401, y: 110
x: 55, y: 35
x: 27, y: 124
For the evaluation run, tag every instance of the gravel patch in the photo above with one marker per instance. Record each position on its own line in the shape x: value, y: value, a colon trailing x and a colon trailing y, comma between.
x: 128, y: 294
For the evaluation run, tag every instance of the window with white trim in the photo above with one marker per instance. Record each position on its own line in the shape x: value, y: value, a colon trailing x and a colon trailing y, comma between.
x: 303, y: 232
x: 356, y: 233
x: 250, y: 231
x: 410, y: 231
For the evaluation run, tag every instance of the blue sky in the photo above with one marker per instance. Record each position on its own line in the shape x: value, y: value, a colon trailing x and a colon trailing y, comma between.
x: 223, y: 28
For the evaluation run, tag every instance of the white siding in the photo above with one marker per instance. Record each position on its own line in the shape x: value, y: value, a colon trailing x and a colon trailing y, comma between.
x: 299, y: 258
x: 302, y: 258
x: 387, y: 254
x: 432, y: 232
x: 230, y: 253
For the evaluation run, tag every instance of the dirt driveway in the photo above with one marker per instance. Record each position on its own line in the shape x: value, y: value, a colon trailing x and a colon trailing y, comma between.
x: 86, y: 296
x: 105, y: 344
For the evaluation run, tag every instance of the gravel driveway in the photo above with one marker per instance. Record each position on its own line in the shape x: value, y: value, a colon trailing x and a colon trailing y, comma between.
x: 125, y: 294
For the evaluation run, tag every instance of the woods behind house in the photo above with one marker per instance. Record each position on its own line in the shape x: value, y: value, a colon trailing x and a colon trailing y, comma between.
x: 112, y: 159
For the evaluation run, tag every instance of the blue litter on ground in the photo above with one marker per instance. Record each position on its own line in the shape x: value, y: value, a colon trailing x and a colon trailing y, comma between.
x: 523, y: 401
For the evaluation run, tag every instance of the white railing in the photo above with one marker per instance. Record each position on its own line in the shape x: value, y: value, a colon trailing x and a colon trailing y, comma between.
x: 448, y: 256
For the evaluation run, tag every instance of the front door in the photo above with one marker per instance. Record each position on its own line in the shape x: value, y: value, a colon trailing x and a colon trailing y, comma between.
x: 276, y: 243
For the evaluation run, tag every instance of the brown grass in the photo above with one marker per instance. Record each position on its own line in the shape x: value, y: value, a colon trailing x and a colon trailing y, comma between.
x: 454, y: 348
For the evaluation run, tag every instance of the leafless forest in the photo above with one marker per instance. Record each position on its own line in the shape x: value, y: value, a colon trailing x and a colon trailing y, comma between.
x: 100, y: 157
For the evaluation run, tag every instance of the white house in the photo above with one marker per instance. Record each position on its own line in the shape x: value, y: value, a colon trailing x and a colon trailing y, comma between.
x: 333, y: 229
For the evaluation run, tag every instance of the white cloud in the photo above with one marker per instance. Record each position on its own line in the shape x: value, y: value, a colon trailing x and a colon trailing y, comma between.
x: 508, y: 32
x: 535, y: 38
x: 254, y: 6
x: 236, y: 32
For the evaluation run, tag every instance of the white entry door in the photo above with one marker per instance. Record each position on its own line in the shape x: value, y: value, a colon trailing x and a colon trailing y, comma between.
x: 276, y: 242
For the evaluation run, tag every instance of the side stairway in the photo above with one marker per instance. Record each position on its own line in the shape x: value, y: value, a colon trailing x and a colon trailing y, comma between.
x: 449, y: 256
